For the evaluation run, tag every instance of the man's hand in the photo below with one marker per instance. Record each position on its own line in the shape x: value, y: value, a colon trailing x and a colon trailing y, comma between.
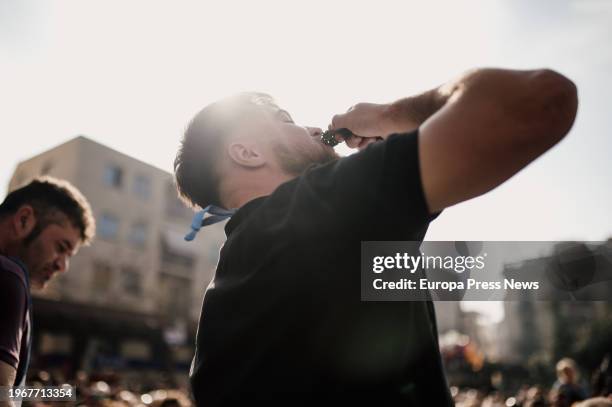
x: 371, y: 122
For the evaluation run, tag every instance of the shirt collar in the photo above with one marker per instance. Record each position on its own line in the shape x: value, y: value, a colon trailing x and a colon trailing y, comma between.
x: 243, y: 212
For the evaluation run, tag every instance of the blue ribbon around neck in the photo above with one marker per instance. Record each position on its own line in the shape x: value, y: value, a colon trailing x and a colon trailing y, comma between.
x: 199, y: 221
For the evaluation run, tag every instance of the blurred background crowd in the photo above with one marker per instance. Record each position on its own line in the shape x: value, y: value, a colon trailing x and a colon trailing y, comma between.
x: 572, y: 387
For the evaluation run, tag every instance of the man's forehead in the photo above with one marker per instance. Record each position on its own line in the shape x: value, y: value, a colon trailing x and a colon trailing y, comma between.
x: 277, y: 112
x: 267, y: 112
x: 258, y: 119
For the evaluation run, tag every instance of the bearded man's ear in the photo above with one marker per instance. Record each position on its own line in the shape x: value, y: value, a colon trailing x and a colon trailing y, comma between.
x: 24, y: 221
x: 246, y: 154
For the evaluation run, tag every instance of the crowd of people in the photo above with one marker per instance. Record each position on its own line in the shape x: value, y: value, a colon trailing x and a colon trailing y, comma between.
x: 111, y: 389
x: 569, y: 390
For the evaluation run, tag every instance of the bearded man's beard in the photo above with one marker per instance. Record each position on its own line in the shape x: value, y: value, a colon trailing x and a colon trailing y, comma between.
x: 28, y: 252
x: 296, y: 162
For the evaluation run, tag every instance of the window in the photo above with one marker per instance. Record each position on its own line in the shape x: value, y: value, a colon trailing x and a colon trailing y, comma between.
x: 46, y: 168
x: 19, y: 178
x: 174, y: 207
x: 172, y: 253
x: 113, y: 176
x: 136, y: 350
x: 108, y: 226
x: 142, y: 187
x: 174, y: 294
x: 55, y: 344
x: 131, y: 281
x: 102, y: 277
x: 138, y: 234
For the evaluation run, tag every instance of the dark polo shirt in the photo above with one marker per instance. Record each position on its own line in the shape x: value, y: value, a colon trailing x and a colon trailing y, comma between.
x: 282, y: 321
x: 14, y: 316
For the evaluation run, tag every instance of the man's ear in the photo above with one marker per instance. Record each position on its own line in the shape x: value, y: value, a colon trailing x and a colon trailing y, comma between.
x: 246, y: 154
x: 24, y: 221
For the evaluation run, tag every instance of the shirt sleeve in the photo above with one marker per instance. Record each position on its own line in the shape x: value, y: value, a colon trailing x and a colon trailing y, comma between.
x: 375, y: 194
x: 13, y: 300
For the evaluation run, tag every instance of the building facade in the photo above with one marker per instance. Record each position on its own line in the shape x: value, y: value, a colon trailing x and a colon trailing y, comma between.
x: 138, y: 276
x: 544, y: 330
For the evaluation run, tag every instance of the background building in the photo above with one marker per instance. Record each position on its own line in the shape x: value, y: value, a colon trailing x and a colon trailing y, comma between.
x: 541, y: 332
x: 136, y: 291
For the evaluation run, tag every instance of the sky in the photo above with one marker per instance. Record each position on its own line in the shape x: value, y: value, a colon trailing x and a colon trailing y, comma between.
x: 131, y: 74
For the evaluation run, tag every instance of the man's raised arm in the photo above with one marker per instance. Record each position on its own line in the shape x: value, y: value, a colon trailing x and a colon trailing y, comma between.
x: 476, y: 131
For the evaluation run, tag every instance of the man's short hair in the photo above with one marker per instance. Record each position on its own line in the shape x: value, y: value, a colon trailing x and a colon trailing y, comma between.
x: 50, y: 198
x: 195, y: 166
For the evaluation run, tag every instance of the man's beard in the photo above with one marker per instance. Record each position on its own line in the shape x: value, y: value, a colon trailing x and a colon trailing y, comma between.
x: 298, y: 161
x: 28, y: 255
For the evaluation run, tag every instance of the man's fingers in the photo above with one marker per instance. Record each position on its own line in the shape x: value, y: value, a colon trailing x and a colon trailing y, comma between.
x: 362, y: 119
x: 338, y: 121
x: 354, y: 142
x: 366, y: 141
x: 347, y: 120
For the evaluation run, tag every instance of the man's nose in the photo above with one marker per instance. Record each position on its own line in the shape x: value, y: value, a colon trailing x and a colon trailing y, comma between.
x: 61, y: 264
